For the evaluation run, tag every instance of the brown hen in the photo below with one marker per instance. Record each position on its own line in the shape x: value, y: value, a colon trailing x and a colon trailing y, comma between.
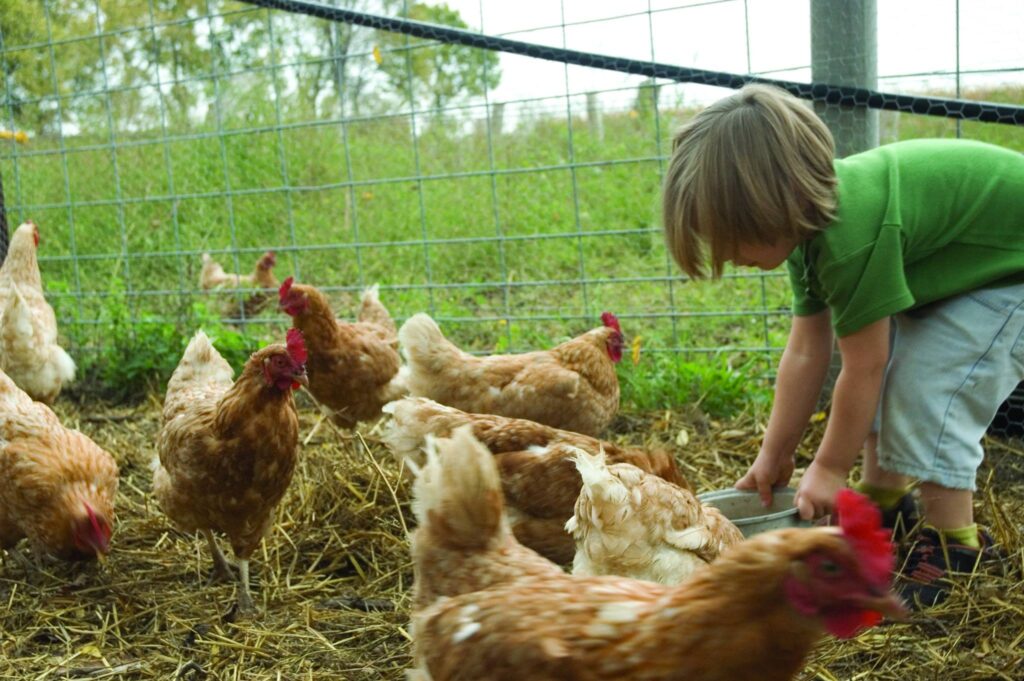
x: 353, y: 368
x: 58, y: 485
x: 213, y: 276
x: 29, y: 352
x: 227, y: 450
x: 632, y: 523
x: 571, y: 386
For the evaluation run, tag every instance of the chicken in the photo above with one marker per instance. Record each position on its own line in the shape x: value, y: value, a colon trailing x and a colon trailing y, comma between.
x: 213, y: 276
x: 467, y: 560
x: 572, y: 386
x: 227, y: 450
x: 353, y: 367
x: 28, y: 327
x: 538, y: 477
x: 634, y: 524
x: 58, y: 485
x: 754, y: 613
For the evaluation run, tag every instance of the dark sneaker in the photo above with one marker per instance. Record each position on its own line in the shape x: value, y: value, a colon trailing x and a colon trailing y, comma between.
x: 903, y: 519
x: 925, y: 579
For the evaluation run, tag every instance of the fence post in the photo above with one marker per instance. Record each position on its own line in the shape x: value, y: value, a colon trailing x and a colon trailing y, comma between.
x: 594, y: 118
x: 844, y: 51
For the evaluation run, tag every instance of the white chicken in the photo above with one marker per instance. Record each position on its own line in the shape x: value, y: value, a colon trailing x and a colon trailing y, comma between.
x: 29, y: 352
x: 631, y: 523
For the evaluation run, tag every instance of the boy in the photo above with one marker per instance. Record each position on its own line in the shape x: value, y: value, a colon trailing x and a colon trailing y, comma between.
x: 913, y: 255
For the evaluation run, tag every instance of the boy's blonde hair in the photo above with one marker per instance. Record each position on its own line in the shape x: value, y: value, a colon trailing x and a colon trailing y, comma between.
x: 752, y: 168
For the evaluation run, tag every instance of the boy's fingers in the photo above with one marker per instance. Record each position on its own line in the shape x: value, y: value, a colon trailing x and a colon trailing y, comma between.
x: 764, y: 488
x: 805, y: 507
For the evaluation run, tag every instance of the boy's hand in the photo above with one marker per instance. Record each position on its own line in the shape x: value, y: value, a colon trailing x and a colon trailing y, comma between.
x: 817, y: 491
x: 767, y: 471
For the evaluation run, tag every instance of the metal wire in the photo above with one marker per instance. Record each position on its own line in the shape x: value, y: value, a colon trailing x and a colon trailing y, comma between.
x: 556, y: 297
x: 820, y: 92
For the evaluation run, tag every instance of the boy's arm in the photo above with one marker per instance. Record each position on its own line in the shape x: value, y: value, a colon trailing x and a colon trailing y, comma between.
x: 854, y: 402
x: 802, y: 372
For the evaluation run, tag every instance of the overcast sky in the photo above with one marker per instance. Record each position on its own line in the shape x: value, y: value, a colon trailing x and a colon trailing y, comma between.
x: 914, y: 37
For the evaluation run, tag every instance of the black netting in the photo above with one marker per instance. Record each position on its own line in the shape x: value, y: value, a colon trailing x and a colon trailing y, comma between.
x: 817, y: 92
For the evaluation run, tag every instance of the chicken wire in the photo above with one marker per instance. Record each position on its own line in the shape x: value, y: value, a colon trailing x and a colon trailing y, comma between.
x: 513, y: 220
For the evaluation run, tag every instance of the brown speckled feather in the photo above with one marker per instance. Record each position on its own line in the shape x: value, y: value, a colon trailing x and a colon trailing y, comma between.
x: 48, y: 471
x: 539, y: 480
x: 572, y: 386
x: 227, y: 451
x: 631, y: 523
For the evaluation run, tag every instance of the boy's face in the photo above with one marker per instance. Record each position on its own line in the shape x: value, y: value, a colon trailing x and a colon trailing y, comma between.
x: 761, y: 256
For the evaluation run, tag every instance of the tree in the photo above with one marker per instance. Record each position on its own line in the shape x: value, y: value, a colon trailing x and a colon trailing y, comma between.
x: 436, y: 73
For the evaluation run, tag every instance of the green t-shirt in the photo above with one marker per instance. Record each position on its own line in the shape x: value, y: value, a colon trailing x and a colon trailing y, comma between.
x: 917, y: 221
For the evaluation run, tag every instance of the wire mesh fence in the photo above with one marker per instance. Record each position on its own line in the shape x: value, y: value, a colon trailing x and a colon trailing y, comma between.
x: 513, y: 197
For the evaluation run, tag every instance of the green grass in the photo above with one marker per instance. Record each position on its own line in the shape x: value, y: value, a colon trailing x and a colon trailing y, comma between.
x: 357, y: 203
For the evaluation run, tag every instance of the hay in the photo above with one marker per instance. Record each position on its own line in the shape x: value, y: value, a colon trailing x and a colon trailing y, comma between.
x: 332, y: 579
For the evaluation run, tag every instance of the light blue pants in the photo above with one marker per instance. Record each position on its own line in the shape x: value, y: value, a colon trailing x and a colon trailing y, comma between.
x: 952, y: 364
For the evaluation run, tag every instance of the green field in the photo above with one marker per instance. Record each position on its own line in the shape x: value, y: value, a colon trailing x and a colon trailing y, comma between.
x: 513, y: 241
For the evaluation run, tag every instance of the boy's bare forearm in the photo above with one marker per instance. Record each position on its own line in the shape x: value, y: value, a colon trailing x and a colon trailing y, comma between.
x: 854, y: 402
x: 802, y: 372
x: 855, y: 398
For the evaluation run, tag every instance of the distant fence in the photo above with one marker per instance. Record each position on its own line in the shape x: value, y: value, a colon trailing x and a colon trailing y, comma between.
x: 224, y: 128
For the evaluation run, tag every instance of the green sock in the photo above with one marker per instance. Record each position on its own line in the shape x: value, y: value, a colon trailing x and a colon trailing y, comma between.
x: 968, y: 536
x: 885, y: 497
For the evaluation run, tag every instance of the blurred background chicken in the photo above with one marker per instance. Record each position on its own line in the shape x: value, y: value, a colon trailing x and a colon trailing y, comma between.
x: 212, y: 276
x: 227, y: 450
x: 755, y: 613
x: 572, y: 386
x: 538, y: 477
x: 353, y: 368
x: 634, y: 524
x: 28, y: 327
x: 57, y: 486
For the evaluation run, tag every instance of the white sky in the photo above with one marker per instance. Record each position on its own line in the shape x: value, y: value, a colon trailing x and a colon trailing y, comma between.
x: 914, y: 36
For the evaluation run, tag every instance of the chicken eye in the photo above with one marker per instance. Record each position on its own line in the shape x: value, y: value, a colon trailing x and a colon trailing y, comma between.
x: 830, y: 567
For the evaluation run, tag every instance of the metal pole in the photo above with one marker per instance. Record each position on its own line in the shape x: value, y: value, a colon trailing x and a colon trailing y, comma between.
x: 844, y: 51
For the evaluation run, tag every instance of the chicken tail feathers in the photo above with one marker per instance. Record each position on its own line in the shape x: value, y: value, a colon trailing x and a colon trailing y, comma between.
x: 373, y: 311
x: 200, y: 362
x: 457, y: 496
x: 423, y: 343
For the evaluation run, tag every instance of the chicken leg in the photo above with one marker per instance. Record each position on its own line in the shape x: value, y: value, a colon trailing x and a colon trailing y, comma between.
x: 221, y: 568
x: 245, y: 603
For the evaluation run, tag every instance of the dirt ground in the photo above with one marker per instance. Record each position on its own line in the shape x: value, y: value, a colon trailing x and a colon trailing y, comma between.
x: 332, y: 578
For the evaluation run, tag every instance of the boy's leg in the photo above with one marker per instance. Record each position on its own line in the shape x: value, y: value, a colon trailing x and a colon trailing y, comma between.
x: 952, y: 366
x: 876, y: 476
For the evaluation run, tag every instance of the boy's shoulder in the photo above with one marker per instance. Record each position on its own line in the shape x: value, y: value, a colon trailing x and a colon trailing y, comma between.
x: 932, y: 149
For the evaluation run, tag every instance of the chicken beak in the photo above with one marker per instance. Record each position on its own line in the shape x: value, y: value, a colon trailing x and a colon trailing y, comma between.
x: 301, y: 379
x: 889, y: 604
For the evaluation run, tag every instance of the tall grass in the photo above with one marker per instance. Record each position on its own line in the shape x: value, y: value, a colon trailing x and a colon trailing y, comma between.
x: 525, y: 263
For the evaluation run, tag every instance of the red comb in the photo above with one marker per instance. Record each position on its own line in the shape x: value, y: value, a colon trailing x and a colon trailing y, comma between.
x: 286, y: 286
x: 296, y: 345
x: 100, y: 535
x: 608, y: 319
x: 861, y: 522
